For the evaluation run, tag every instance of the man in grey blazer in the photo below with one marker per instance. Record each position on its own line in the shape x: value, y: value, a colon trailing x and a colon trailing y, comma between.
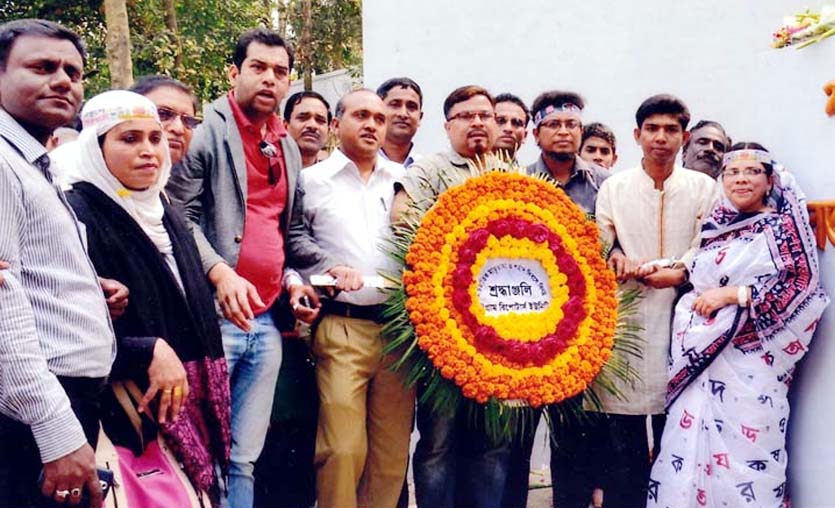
x: 237, y: 188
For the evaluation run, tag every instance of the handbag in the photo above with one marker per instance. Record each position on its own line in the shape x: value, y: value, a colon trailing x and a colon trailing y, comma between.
x: 154, y: 479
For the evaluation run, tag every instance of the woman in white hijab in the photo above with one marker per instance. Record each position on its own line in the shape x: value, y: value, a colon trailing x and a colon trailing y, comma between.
x: 169, y: 341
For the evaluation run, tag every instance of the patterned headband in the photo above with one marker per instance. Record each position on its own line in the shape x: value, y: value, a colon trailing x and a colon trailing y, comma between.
x: 760, y: 156
x: 117, y: 114
x: 566, y: 107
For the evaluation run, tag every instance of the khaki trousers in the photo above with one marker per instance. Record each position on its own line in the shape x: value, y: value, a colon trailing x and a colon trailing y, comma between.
x: 365, y: 417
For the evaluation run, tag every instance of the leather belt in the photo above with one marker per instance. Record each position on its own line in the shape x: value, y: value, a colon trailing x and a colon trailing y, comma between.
x: 349, y: 310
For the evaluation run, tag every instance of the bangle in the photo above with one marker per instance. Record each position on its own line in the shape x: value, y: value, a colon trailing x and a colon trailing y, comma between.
x: 742, y: 296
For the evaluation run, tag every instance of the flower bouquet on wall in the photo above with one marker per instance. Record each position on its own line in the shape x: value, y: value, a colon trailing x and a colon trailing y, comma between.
x: 505, y: 300
x: 805, y: 28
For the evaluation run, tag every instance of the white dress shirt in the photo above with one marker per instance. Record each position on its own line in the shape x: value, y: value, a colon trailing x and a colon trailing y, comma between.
x: 349, y: 218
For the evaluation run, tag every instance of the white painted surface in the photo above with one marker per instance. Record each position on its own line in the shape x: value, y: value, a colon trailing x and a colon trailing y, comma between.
x: 713, y: 54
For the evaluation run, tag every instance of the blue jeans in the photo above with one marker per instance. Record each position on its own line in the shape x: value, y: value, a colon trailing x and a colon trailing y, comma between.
x: 254, y: 359
x: 457, y: 465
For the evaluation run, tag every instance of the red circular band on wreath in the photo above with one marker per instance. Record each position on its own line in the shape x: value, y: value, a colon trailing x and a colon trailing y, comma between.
x: 486, y: 338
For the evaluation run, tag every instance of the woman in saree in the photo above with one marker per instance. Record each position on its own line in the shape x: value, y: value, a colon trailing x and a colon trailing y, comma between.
x: 737, y: 337
x: 168, y: 338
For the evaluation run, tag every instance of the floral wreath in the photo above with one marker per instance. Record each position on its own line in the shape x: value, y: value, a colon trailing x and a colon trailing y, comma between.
x: 529, y: 353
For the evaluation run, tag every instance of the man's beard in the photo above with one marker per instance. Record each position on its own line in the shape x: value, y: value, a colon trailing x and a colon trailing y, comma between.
x: 560, y: 156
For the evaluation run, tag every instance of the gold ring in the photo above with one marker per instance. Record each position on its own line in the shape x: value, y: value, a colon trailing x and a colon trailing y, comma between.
x: 62, y: 494
x: 76, y: 492
x: 167, y: 390
x: 178, y: 391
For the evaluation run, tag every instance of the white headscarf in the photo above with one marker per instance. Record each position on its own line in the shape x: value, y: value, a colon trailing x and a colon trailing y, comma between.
x: 84, y: 161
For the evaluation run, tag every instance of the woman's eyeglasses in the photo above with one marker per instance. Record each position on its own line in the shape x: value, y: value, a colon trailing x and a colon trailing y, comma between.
x: 744, y: 172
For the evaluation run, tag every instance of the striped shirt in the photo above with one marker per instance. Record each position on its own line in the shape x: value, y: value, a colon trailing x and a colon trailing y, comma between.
x: 53, y: 318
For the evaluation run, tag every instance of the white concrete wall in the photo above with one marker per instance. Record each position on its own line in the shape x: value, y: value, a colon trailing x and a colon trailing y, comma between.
x: 714, y: 54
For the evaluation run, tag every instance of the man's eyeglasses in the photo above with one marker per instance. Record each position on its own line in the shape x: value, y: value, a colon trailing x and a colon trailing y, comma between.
x: 557, y: 124
x: 167, y: 115
x: 515, y: 122
x: 744, y: 172
x: 469, y: 116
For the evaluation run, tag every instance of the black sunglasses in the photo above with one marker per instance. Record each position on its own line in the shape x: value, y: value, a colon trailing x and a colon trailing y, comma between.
x: 166, y: 114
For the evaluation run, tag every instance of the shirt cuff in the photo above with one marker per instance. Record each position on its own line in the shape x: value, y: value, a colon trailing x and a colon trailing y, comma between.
x: 59, y: 436
x: 292, y: 278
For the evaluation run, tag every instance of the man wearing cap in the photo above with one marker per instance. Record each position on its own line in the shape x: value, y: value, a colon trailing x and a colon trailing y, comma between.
x: 558, y: 130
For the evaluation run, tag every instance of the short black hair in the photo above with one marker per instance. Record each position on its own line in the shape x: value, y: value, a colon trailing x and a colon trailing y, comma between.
x: 663, y: 104
x: 557, y: 98
x: 265, y: 37
x: 384, y: 89
x: 9, y: 32
x: 598, y: 130
x: 297, y: 97
x: 147, y: 84
x: 509, y: 97
x: 751, y: 145
x: 465, y: 93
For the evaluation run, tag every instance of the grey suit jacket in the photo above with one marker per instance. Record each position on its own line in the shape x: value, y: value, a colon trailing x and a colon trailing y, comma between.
x: 210, y: 185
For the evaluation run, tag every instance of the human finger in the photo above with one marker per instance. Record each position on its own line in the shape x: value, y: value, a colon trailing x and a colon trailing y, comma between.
x: 94, y: 491
x: 150, y: 393
x: 75, y: 496
x: 164, y: 404
x: 253, y: 299
x: 62, y: 493
x: 176, y: 401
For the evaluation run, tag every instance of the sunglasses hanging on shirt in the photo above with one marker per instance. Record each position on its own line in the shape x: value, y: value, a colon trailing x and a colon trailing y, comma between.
x: 269, y: 151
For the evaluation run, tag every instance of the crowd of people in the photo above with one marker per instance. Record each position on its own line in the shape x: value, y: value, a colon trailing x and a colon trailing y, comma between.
x: 173, y: 247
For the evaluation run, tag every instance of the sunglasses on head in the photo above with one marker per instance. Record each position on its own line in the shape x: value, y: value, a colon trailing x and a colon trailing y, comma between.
x: 167, y: 115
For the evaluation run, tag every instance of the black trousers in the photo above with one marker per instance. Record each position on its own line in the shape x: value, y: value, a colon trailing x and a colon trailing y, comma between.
x: 572, y: 443
x: 624, y: 460
x: 20, y: 462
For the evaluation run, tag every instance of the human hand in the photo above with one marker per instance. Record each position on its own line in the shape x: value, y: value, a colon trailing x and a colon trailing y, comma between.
x: 623, y: 267
x: 347, y: 278
x: 116, y: 295
x: 73, y: 473
x: 237, y: 296
x: 665, y: 278
x: 167, y: 375
x: 714, y: 299
x: 304, y: 311
x: 3, y: 266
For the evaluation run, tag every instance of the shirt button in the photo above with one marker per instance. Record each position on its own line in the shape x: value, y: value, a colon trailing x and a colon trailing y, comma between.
x: 239, y: 238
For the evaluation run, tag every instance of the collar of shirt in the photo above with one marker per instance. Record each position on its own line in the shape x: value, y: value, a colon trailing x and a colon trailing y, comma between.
x: 580, y: 169
x: 648, y: 182
x: 339, y: 162
x: 29, y: 147
x: 411, y: 157
x: 274, y: 123
x: 456, y: 159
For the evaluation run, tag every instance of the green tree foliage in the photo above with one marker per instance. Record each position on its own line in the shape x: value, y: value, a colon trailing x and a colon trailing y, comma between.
x: 207, y: 30
x: 335, y: 33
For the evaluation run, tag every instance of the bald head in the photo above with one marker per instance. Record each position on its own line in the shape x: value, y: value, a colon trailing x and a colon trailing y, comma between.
x: 350, y: 97
x: 360, y: 124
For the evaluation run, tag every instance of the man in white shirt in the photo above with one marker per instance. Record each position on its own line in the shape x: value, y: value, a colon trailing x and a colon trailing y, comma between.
x: 365, y: 411
x: 649, y: 212
x: 404, y: 111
